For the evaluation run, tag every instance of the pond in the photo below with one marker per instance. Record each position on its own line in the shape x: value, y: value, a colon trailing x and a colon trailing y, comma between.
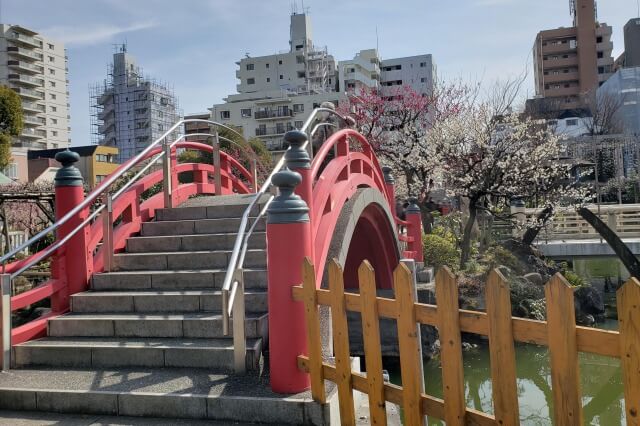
x: 602, y: 391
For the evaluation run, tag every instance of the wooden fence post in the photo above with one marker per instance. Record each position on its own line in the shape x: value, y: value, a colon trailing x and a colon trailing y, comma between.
x: 502, y: 350
x: 450, y: 348
x: 341, y: 344
x: 563, y: 350
x: 409, y: 344
x: 371, y: 336
x: 629, y: 320
x: 313, y: 331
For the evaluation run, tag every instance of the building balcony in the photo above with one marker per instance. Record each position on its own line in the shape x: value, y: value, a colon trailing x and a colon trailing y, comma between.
x: 33, y: 134
x: 561, y: 77
x: 24, y: 40
x: 19, y: 52
x: 274, y: 131
x: 28, y: 93
x: 26, y: 67
x: 31, y: 121
x: 106, y: 111
x: 561, y: 63
x: 563, y: 91
x: 26, y: 80
x: 606, y: 46
x: 33, y: 107
x: 273, y: 114
x: 558, y: 48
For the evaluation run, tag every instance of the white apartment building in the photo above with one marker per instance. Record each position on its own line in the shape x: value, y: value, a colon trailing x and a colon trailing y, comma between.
x: 276, y: 93
x: 36, y: 68
x: 129, y: 110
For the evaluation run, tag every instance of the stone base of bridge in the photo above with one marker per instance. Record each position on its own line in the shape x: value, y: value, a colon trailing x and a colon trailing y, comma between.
x: 583, y: 248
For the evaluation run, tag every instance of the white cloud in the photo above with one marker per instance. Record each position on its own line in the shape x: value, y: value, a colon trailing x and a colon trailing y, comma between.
x: 85, y: 36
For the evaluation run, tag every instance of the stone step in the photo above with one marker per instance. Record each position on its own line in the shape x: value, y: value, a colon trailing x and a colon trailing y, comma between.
x: 191, y: 227
x: 174, y: 280
x: 76, y: 352
x: 215, y: 207
x: 185, y: 260
x: 193, y: 326
x: 160, y: 301
x: 43, y: 418
x: 201, y: 242
x: 171, y: 393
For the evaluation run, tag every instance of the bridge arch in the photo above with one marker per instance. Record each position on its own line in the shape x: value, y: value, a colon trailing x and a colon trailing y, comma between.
x: 365, y: 230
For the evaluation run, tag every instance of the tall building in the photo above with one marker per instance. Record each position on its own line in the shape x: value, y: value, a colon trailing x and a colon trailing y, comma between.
x: 276, y: 93
x: 129, y: 110
x: 631, y: 55
x: 36, y: 68
x: 570, y: 62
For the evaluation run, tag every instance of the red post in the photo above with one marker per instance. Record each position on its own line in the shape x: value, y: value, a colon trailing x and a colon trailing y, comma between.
x: 414, y: 217
x: 288, y: 243
x: 74, y: 263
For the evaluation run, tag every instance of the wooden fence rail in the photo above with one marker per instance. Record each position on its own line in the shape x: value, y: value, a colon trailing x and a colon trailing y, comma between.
x: 559, y: 333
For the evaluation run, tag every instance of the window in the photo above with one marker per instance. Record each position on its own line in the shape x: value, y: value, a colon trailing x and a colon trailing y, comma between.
x: 599, y: 39
x: 54, y: 121
x: 52, y: 71
x: 251, y: 81
x: 249, y: 67
x: 423, y: 64
x: 299, y: 47
x: 281, y: 77
x: 52, y: 95
x: 600, y: 55
x: 245, y: 112
x: 52, y: 84
x: 572, y: 122
x: 298, y: 107
x: 225, y: 115
x: 160, y: 127
x: 53, y: 109
x: 267, y: 65
x: 51, y: 46
x: 600, y: 70
x: 103, y: 158
x: 100, y: 178
x: 423, y: 80
x: 52, y: 59
x: 280, y: 62
x: 268, y: 80
x: 54, y: 133
x: 299, y: 124
x: 11, y: 171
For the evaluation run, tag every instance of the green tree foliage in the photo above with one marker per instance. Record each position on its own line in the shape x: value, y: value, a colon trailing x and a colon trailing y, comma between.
x: 11, y: 122
x: 440, y: 250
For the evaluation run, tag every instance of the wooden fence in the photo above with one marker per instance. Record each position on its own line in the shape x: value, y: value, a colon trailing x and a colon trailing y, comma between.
x: 559, y: 333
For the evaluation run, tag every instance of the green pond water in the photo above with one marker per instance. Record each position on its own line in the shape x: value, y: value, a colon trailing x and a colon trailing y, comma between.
x: 602, y: 390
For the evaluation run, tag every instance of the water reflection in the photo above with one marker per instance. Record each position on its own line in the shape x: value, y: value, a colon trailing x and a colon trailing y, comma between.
x: 602, y: 390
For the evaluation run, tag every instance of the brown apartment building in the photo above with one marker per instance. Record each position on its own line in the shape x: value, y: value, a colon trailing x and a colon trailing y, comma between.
x: 570, y: 62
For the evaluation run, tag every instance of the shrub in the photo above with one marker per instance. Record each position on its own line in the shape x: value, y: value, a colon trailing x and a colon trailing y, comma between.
x: 498, y: 255
x: 440, y: 251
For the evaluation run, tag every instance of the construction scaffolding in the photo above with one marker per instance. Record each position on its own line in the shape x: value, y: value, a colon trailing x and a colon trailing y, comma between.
x: 130, y: 110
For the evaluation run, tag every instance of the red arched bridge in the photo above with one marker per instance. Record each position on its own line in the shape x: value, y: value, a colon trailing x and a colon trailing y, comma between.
x: 150, y: 254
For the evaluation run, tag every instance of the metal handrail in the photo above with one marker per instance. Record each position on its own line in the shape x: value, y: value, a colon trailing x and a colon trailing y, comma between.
x: 93, y: 195
x: 233, y: 286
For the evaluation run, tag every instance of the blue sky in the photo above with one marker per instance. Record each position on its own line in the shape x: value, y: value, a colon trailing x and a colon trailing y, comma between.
x: 193, y: 44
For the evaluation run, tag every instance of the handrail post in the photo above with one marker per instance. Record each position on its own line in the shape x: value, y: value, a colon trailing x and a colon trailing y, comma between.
x: 217, y: 174
x: 5, y: 322
x: 239, y: 338
x: 289, y: 242
x: 414, y: 230
x: 166, y: 174
x: 74, y: 262
x: 107, y: 233
x: 254, y: 174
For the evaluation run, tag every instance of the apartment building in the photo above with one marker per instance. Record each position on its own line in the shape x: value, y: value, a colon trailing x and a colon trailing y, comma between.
x: 130, y: 110
x: 570, y: 62
x: 36, y: 68
x: 360, y: 72
x: 417, y: 72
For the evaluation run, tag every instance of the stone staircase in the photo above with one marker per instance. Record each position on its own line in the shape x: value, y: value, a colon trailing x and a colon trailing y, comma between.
x: 146, y: 339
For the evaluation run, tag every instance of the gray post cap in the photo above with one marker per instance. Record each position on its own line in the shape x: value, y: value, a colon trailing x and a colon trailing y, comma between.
x: 296, y: 157
x: 287, y: 207
x: 388, y: 177
x: 68, y: 175
x: 413, y: 206
x: 329, y: 105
